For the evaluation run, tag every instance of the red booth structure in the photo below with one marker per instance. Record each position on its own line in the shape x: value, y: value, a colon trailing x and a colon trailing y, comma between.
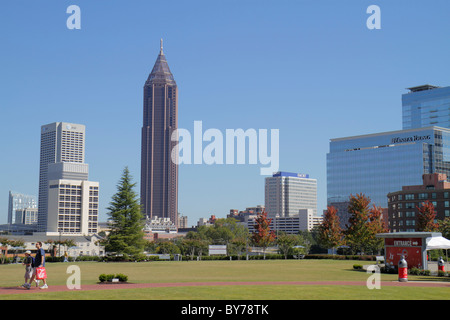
x: 411, y: 245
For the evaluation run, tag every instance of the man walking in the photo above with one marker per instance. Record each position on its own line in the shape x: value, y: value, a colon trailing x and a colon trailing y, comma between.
x: 39, y: 262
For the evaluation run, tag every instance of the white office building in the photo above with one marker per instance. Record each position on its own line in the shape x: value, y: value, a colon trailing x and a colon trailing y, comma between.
x: 286, y: 193
x: 72, y: 207
x: 68, y: 202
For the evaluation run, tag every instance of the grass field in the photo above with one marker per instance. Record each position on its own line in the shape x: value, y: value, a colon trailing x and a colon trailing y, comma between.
x: 224, y: 271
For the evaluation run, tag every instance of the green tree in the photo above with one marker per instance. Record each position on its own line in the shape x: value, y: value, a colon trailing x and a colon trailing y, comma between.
x: 444, y: 227
x: 286, y: 243
x: 167, y: 247
x: 239, y: 244
x: 329, y: 232
x: 223, y: 231
x: 126, y: 219
x: 192, y: 245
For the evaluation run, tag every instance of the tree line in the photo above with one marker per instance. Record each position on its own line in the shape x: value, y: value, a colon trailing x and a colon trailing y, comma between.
x: 127, y: 230
x: 365, y: 222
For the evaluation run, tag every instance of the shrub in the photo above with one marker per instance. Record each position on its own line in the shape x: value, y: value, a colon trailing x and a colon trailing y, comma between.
x: 415, y: 271
x: 442, y: 273
x: 121, y: 277
x: 105, y: 277
x: 357, y: 267
x: 426, y: 272
x: 108, y: 277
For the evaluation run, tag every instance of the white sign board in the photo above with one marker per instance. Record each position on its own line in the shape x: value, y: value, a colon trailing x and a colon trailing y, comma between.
x: 222, y: 249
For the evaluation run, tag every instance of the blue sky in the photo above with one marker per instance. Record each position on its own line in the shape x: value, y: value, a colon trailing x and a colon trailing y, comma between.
x: 311, y: 69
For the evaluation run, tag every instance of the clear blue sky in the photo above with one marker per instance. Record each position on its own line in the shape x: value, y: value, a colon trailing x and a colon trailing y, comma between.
x: 311, y: 69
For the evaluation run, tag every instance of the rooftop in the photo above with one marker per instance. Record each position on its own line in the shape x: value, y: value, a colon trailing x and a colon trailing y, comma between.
x: 422, y: 88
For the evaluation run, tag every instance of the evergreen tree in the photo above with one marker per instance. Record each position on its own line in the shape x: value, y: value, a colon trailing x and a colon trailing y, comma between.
x: 126, y: 219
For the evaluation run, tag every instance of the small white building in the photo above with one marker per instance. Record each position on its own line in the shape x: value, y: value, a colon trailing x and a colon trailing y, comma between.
x: 84, y: 245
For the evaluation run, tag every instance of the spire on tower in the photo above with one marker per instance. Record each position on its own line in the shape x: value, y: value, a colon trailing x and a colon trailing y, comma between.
x: 161, y: 51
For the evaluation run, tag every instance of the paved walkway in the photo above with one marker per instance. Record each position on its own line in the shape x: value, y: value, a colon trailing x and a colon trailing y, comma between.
x: 114, y: 286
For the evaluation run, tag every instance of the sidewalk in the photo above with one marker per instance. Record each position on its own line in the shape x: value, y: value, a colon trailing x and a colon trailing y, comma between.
x: 114, y: 286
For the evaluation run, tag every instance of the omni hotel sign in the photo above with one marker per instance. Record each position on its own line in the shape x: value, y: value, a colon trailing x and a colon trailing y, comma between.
x: 414, y: 138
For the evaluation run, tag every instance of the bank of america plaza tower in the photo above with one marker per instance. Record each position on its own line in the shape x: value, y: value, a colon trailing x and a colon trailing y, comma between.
x: 159, y: 174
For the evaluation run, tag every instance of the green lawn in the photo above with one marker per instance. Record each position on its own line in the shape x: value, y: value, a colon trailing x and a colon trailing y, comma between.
x: 210, y: 271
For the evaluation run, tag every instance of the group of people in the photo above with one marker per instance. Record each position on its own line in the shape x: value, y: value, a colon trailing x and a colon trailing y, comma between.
x: 31, y: 265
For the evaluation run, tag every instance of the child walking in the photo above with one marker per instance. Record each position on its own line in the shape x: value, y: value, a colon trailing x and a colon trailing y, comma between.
x: 28, y: 263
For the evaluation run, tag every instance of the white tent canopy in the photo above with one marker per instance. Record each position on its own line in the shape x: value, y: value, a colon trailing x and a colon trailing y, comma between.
x: 437, y: 243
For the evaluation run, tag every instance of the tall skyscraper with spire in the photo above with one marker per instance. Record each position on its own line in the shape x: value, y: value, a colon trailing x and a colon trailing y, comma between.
x: 159, y: 175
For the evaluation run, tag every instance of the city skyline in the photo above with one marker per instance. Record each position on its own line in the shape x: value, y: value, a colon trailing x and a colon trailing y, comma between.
x: 313, y: 71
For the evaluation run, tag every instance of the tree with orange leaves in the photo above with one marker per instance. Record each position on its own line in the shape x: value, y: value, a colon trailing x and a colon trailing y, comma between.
x: 376, y: 224
x: 263, y: 236
x: 329, y: 231
x: 425, y: 219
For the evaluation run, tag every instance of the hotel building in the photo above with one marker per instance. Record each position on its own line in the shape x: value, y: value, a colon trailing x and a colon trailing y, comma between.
x: 286, y: 193
x: 403, y: 203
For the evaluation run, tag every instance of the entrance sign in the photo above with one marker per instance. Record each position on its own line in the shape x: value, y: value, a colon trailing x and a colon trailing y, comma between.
x: 411, y: 245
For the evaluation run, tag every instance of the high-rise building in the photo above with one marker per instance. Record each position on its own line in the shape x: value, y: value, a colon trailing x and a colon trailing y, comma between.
x: 380, y: 163
x: 376, y: 164
x: 425, y: 106
x: 72, y: 207
x: 26, y: 216
x: 60, y: 142
x: 18, y: 201
x: 68, y: 202
x: 286, y: 193
x: 159, y: 174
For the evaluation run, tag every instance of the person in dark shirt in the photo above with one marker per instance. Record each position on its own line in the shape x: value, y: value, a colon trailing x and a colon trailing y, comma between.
x: 39, y: 261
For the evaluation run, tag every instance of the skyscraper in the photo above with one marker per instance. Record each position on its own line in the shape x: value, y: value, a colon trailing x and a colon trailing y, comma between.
x: 159, y: 175
x: 60, y: 142
x: 376, y: 164
x: 287, y: 193
x: 68, y: 202
x: 426, y: 106
x: 18, y: 201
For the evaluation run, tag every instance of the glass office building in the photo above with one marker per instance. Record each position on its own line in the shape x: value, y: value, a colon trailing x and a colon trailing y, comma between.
x: 376, y: 164
x: 425, y: 106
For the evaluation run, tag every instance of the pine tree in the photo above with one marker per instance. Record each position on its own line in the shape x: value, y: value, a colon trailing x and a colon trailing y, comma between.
x: 329, y: 231
x: 426, y: 217
x: 126, y: 219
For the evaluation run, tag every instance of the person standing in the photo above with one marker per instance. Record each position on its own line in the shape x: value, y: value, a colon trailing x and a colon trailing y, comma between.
x: 39, y: 262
